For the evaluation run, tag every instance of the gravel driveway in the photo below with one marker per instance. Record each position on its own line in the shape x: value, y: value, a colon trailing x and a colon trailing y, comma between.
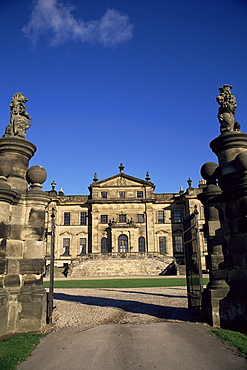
x: 90, y: 307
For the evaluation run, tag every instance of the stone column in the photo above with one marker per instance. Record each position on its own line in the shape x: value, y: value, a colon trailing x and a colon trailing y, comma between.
x: 214, y: 226
x: 22, y: 220
x: 7, y: 196
x: 32, y: 293
x: 225, y: 297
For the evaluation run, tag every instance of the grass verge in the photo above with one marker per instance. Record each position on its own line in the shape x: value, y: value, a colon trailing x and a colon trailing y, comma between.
x: 120, y: 283
x: 233, y: 338
x: 17, y: 349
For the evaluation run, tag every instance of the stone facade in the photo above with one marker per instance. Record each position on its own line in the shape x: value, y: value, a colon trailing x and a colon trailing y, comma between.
x: 121, y: 215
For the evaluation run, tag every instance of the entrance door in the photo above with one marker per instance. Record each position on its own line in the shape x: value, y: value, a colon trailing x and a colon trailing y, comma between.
x: 123, y: 243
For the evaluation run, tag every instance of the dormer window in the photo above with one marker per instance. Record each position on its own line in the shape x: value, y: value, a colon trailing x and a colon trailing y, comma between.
x: 139, y: 194
x: 104, y: 195
x: 122, y: 194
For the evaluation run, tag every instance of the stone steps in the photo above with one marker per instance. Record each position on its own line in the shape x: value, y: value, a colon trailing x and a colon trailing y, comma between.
x: 117, y: 266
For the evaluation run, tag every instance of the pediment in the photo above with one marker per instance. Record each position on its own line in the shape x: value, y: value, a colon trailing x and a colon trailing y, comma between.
x: 121, y: 180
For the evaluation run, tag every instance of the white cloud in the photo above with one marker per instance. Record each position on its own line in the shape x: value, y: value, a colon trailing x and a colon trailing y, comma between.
x: 54, y: 18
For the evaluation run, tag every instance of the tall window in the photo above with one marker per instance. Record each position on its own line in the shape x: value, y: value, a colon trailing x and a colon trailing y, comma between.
x: 122, y: 218
x: 161, y: 217
x: 162, y: 244
x: 83, y: 245
x: 122, y: 194
x: 140, y: 218
x: 176, y: 216
x: 123, y: 243
x: 66, y: 218
x: 104, y: 245
x: 141, y: 245
x: 178, y: 244
x: 66, y: 246
x: 83, y: 218
x: 104, y: 194
x: 139, y: 194
x: 104, y: 219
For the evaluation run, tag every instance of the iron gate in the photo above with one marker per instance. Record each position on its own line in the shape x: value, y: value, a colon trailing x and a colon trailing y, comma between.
x: 193, y: 260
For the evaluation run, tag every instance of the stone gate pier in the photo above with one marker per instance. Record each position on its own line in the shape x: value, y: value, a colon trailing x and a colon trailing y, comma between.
x: 22, y: 226
x: 224, y: 300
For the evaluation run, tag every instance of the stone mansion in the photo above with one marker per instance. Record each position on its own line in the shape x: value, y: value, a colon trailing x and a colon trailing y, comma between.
x: 122, y: 215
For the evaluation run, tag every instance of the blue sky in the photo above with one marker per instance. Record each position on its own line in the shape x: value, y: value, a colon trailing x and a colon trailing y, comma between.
x: 122, y: 81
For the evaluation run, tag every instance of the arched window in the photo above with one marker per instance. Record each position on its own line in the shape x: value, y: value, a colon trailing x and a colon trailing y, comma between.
x: 141, y: 245
x: 104, y: 245
x: 123, y: 243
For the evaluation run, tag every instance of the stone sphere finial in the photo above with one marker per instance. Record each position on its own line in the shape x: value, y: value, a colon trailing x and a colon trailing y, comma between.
x: 210, y: 171
x: 121, y: 168
x: 189, y: 181
x: 53, y: 185
x: 95, y: 177
x: 148, y: 178
x: 36, y: 175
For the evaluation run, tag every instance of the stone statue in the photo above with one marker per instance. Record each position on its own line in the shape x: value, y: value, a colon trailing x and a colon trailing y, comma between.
x: 228, y: 104
x: 19, y: 118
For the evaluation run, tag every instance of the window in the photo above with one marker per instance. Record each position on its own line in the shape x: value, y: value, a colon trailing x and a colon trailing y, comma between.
x: 66, y: 218
x: 123, y: 243
x: 141, y: 245
x: 176, y: 216
x: 162, y: 244
x: 104, y: 195
x: 178, y: 244
x: 83, y: 218
x: 83, y: 244
x: 66, y: 246
x: 122, y: 218
x: 122, y: 194
x: 104, y: 219
x: 140, y: 218
x: 104, y: 245
x: 139, y: 194
x: 161, y: 217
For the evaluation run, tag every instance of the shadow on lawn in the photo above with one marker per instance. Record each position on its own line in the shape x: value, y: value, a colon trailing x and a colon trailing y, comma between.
x: 161, y: 312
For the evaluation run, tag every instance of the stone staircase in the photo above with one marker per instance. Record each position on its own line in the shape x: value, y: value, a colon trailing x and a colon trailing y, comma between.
x: 119, y: 265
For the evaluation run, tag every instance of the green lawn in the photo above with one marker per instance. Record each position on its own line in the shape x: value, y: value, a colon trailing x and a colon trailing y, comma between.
x: 117, y: 283
x: 16, y: 349
x: 233, y: 338
x: 120, y: 283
